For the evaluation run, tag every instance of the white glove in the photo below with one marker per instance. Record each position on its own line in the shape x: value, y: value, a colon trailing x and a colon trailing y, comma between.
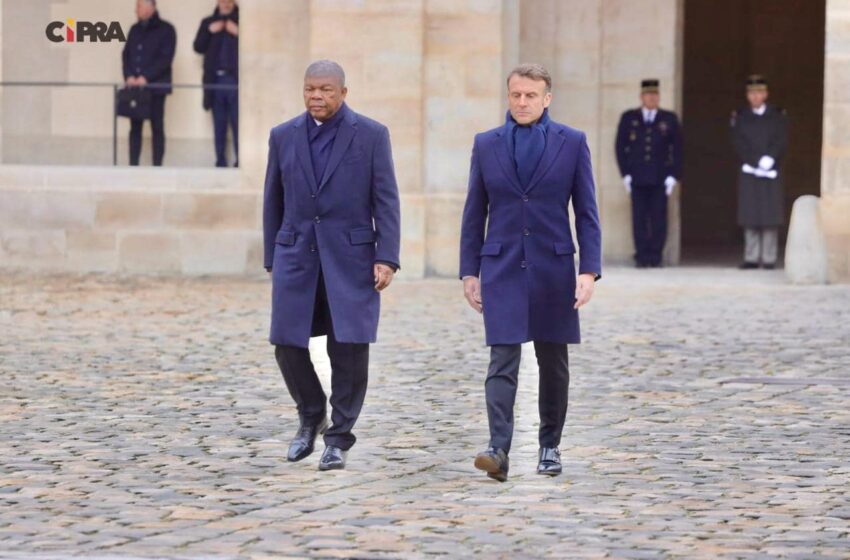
x: 766, y: 163
x: 627, y: 182
x: 759, y: 172
x: 669, y: 184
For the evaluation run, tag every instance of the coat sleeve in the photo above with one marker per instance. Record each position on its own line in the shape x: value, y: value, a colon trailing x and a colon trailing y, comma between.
x: 621, y: 144
x: 386, y: 210
x: 588, y: 230
x: 474, y: 220
x: 272, y: 203
x: 779, y: 141
x: 202, y: 38
x: 125, y: 56
x: 739, y: 141
x: 677, y: 148
x: 164, y: 56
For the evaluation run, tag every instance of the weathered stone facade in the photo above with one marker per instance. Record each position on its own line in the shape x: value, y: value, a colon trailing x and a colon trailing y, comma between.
x: 433, y: 71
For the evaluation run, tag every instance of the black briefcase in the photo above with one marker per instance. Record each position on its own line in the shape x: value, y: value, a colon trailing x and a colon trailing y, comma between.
x: 134, y: 103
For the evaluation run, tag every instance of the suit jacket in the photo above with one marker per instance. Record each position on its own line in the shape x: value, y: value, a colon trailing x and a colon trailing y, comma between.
x: 340, y: 225
x: 518, y: 241
x: 149, y: 51
x: 649, y: 153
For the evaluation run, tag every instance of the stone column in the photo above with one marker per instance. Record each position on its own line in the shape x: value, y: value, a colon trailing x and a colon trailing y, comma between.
x: 273, y: 51
x: 835, y: 175
x: 469, y: 46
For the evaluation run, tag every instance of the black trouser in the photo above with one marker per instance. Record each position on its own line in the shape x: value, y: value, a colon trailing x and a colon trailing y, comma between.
x: 500, y: 391
x: 225, y: 110
x: 349, y: 376
x: 157, y: 132
x: 649, y: 223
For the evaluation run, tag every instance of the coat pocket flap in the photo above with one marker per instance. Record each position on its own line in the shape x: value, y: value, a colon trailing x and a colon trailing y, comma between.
x: 491, y: 249
x: 285, y: 237
x: 564, y: 248
x: 362, y: 236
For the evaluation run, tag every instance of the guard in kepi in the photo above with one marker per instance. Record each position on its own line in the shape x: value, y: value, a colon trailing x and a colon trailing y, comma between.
x: 218, y: 40
x: 760, y: 136
x: 146, y: 59
x: 649, y: 154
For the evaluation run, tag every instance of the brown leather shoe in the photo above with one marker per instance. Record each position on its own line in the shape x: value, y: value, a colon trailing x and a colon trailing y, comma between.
x: 494, y: 462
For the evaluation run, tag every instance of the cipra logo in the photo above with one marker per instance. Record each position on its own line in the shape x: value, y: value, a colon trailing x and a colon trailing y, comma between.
x: 81, y: 31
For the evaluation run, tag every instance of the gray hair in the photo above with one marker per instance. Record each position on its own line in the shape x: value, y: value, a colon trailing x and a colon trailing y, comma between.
x: 534, y: 71
x: 326, y: 68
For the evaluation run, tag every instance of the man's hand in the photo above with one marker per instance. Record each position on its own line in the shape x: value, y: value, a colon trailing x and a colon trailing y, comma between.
x: 216, y: 26
x: 141, y: 81
x: 584, y: 289
x: 472, y: 292
x: 131, y: 81
x: 232, y: 27
x: 383, y: 276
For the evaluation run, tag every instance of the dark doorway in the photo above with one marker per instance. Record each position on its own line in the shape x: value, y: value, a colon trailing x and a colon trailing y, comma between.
x: 725, y: 41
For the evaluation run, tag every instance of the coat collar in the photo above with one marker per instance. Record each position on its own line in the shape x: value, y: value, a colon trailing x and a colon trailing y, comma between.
x: 554, y: 143
x: 346, y: 132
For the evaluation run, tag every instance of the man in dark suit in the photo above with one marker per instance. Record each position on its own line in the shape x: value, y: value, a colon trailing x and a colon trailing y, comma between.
x: 649, y: 154
x: 147, y: 58
x: 218, y: 40
x: 331, y: 227
x: 760, y: 137
x: 522, y: 274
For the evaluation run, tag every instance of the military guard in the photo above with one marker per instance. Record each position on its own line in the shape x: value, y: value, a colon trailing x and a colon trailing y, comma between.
x: 649, y: 154
x: 760, y: 136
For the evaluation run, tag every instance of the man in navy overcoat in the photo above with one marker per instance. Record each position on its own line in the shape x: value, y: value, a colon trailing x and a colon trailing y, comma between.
x: 517, y: 258
x: 331, y: 227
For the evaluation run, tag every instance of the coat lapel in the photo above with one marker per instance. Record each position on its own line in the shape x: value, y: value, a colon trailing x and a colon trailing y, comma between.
x: 505, y: 159
x: 302, y: 152
x: 554, y: 142
x: 344, y: 135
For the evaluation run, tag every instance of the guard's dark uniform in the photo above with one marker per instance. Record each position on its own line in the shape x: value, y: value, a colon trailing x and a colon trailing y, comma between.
x: 649, y: 152
x: 221, y: 66
x: 761, y: 200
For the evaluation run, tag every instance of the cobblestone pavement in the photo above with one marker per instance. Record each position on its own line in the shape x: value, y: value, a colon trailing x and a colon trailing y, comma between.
x: 145, y: 418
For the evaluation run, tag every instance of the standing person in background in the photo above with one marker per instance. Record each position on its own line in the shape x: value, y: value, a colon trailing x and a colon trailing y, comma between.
x: 218, y: 40
x: 760, y: 136
x: 146, y: 59
x: 649, y: 154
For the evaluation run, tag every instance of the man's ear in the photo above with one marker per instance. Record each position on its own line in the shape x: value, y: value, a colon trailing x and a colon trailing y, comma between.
x: 547, y: 99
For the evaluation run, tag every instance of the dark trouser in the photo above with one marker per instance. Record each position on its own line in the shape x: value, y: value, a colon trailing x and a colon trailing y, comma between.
x: 649, y: 223
x: 225, y: 110
x: 157, y: 131
x: 500, y: 391
x: 349, y: 376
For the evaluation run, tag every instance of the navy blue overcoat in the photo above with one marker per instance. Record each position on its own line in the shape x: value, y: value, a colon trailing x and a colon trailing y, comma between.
x: 341, y: 225
x: 518, y: 241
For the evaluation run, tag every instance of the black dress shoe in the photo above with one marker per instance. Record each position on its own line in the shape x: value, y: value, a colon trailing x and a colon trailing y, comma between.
x: 494, y: 462
x: 302, y: 444
x: 550, y: 461
x: 768, y: 266
x: 747, y: 265
x: 332, y: 459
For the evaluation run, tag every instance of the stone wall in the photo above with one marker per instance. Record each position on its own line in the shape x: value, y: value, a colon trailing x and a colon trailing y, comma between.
x: 96, y: 219
x: 835, y: 171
